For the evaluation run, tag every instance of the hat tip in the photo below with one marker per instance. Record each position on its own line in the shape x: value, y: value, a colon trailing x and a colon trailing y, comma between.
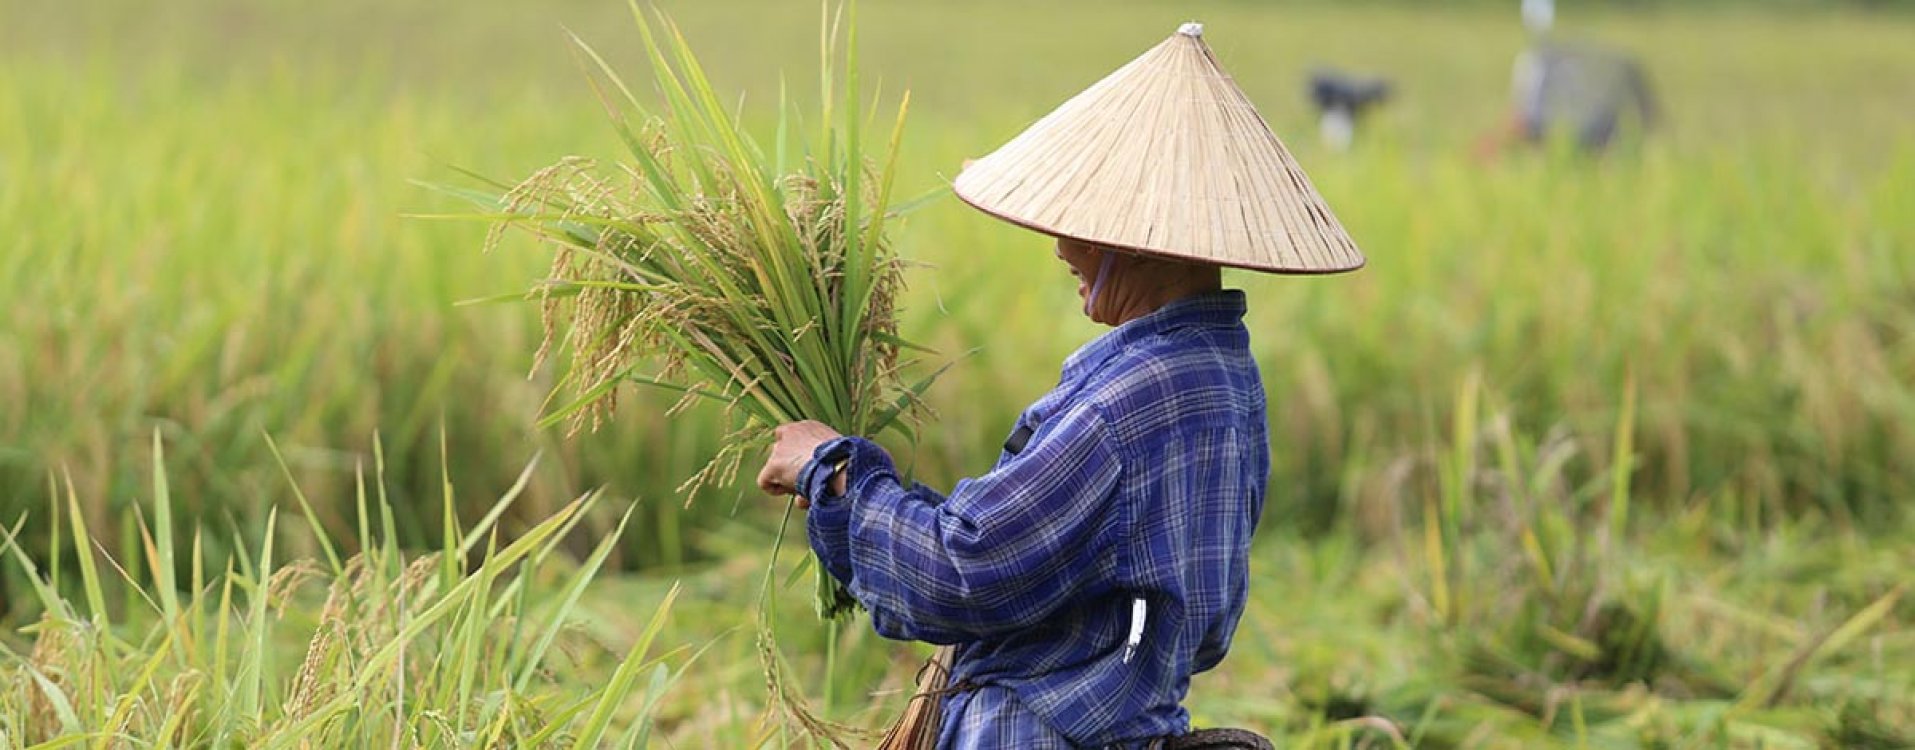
x: 1192, y: 28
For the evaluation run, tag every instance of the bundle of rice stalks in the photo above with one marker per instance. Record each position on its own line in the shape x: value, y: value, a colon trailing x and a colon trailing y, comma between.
x: 759, y: 278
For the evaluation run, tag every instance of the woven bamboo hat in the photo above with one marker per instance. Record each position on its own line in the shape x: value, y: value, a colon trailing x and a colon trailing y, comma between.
x: 1165, y: 157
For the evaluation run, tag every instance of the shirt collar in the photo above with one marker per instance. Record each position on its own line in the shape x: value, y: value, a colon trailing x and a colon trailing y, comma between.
x: 1221, y: 308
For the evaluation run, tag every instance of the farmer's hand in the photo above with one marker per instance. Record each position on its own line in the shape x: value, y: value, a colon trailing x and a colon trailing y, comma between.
x: 790, y: 452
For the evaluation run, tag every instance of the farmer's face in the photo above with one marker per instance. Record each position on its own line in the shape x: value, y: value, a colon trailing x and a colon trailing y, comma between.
x: 1083, y: 260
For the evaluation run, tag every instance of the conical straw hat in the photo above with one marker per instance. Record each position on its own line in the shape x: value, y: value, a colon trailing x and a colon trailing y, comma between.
x: 1165, y: 157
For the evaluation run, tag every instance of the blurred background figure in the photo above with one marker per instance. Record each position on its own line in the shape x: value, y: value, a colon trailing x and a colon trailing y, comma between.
x: 1341, y: 100
x: 1539, y: 15
x: 1572, y: 89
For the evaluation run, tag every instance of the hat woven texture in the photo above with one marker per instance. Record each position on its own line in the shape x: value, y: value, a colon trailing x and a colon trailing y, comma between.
x: 1165, y: 157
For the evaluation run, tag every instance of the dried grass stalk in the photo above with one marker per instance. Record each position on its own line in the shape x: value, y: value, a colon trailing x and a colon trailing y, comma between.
x: 917, y: 728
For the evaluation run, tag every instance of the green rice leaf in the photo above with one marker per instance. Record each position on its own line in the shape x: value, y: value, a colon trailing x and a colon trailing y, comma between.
x: 305, y: 508
x: 623, y: 678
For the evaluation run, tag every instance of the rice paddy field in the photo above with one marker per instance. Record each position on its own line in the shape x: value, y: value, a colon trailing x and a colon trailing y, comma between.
x: 1597, y: 452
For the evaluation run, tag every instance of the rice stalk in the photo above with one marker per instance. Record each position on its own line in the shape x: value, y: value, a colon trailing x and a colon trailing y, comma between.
x: 312, y: 655
x: 701, y: 265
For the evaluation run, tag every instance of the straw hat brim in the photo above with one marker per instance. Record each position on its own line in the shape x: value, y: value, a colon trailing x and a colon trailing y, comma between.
x: 1163, y: 253
x: 1165, y: 157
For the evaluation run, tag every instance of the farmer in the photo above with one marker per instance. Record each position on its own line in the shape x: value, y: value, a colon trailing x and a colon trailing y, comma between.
x: 1580, y: 91
x: 1342, y: 99
x: 1104, y: 559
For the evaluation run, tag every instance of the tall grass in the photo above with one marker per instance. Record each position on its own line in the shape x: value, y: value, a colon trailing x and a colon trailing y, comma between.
x: 1521, y: 607
x: 1763, y: 639
x: 382, y: 648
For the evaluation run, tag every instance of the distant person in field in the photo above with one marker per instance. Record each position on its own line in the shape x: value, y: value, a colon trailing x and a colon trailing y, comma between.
x: 1580, y: 91
x: 1342, y: 99
x: 1104, y: 558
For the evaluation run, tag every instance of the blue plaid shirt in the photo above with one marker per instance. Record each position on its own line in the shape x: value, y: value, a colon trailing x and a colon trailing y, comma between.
x: 1139, y: 477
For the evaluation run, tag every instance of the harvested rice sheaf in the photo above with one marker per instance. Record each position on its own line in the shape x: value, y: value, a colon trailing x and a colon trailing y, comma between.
x: 711, y: 265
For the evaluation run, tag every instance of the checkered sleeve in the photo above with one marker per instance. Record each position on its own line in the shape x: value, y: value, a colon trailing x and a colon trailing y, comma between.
x: 1001, y: 553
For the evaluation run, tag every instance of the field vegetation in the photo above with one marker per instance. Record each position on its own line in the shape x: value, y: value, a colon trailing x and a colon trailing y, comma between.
x: 1596, y: 452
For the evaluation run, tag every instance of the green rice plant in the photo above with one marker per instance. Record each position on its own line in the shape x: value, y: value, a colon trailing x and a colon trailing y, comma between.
x: 713, y: 266
x: 285, y: 290
x: 448, y: 649
x: 1537, y: 594
x: 1515, y: 535
x: 206, y: 236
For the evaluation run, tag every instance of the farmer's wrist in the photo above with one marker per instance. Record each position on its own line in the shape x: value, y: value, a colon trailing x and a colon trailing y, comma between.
x: 828, y: 523
x: 822, y: 478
